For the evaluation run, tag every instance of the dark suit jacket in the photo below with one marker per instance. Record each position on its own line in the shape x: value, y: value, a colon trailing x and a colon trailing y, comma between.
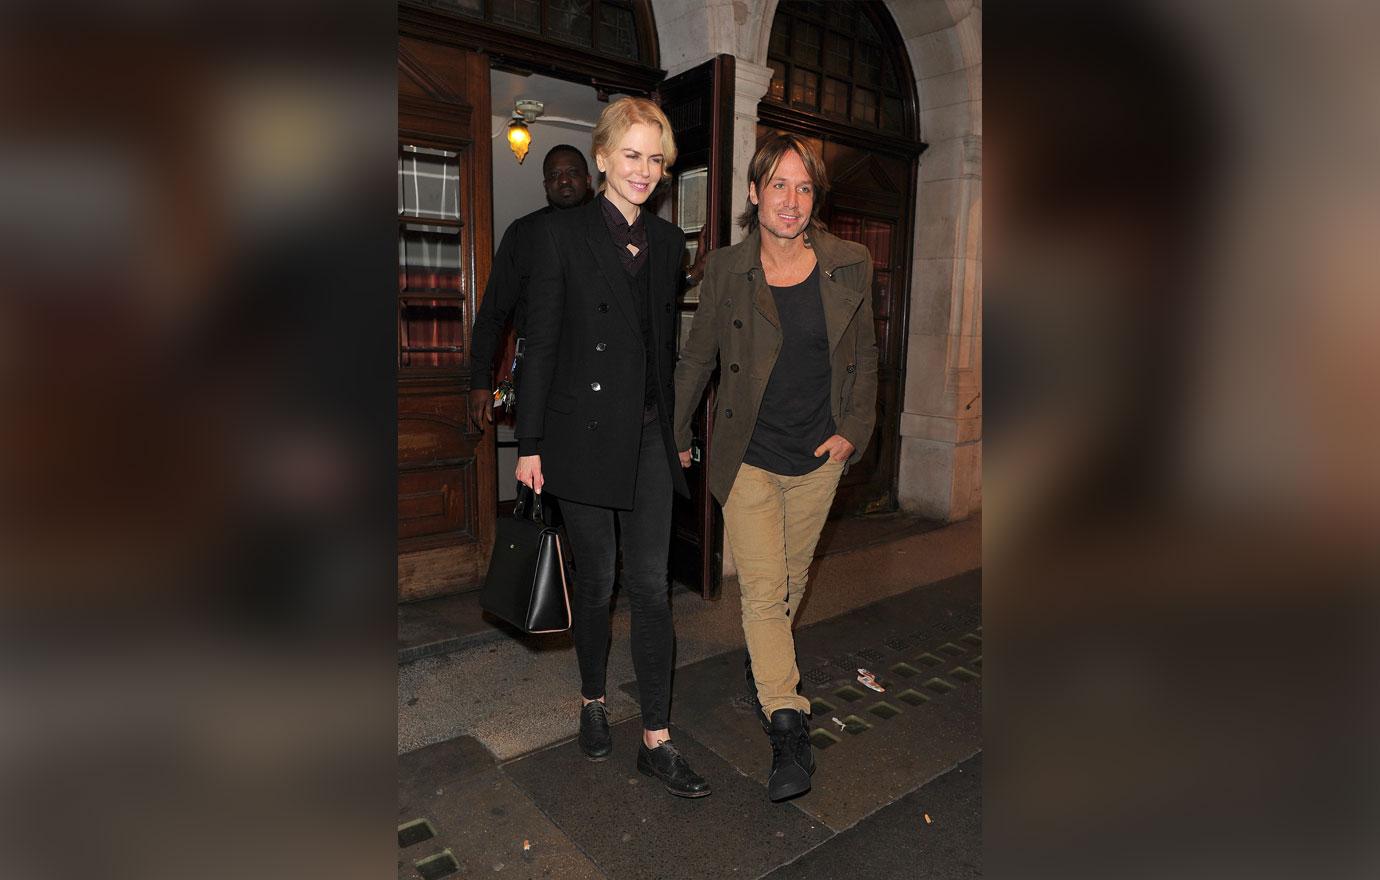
x: 582, y: 383
x: 504, y: 295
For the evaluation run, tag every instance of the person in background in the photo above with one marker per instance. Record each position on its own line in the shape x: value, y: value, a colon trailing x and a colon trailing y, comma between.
x: 594, y: 418
x: 787, y: 315
x: 565, y: 176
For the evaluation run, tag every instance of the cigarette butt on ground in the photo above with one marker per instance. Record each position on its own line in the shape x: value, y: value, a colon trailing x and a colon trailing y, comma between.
x: 928, y: 820
x: 527, y: 844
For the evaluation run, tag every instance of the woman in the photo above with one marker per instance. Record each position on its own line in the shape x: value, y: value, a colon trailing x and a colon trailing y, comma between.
x: 787, y: 313
x: 593, y: 423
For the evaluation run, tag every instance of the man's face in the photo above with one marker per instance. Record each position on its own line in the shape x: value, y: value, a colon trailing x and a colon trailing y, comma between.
x: 566, y: 179
x: 785, y: 201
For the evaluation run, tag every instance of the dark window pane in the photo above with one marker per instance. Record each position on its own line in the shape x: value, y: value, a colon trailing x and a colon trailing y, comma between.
x: 865, y: 106
x: 780, y: 31
x: 841, y: 16
x: 521, y: 14
x: 617, y: 31
x: 777, y: 90
x: 835, y: 96
x: 892, y: 119
x: 804, y: 88
x: 866, y: 31
x: 889, y: 81
x: 810, y: 7
x: 805, y: 45
x: 838, y: 54
x: 869, y: 65
x: 569, y: 21
x: 471, y: 8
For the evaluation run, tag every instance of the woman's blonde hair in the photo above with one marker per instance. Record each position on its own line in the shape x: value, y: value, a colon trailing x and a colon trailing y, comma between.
x: 622, y: 115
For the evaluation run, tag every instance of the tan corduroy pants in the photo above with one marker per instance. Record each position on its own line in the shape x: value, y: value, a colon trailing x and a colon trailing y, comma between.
x: 772, y: 524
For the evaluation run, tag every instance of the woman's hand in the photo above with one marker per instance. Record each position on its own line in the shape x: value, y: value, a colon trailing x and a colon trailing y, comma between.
x: 529, y: 472
x: 685, y: 459
x: 837, y: 446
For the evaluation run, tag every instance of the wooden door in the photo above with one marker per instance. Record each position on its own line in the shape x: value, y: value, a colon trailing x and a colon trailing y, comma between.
x: 445, y: 468
x: 871, y: 202
x: 699, y: 104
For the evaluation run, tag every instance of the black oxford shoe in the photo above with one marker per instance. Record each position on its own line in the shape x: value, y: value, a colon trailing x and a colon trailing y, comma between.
x: 595, y: 740
x: 666, y: 764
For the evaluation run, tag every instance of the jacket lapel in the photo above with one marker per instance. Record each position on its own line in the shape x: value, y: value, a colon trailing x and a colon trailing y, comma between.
x: 615, y: 276
x: 840, y: 303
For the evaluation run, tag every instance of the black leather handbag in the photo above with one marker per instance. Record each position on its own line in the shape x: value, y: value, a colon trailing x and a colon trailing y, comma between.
x: 526, y: 584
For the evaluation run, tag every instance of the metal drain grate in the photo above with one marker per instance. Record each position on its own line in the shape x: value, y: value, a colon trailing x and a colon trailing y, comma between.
x: 442, y: 864
x: 414, y: 832
x: 818, y: 676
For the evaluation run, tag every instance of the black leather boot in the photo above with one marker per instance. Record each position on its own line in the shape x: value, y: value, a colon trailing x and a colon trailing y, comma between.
x: 752, y: 694
x: 595, y: 740
x: 792, y: 759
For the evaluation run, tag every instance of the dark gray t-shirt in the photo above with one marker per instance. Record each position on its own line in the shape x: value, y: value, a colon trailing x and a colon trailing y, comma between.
x: 795, y: 415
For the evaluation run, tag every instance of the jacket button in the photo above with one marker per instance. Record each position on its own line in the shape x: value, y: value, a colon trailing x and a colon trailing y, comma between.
x: 733, y: 367
x: 728, y: 413
x: 592, y: 424
x: 594, y: 386
x: 852, y: 368
x: 601, y: 346
x: 602, y: 307
x: 737, y: 323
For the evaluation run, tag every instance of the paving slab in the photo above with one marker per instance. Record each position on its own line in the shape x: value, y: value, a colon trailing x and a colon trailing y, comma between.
x: 896, y: 843
x: 459, y: 816
x: 632, y: 828
x: 871, y: 748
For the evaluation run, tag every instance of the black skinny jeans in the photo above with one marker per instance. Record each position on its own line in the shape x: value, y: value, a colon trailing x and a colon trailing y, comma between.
x: 645, y: 537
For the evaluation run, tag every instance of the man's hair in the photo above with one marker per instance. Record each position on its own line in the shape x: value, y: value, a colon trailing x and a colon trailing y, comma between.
x: 622, y: 115
x: 565, y: 148
x: 763, y: 165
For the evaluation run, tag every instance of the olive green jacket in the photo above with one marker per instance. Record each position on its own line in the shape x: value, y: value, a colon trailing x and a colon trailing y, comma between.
x: 737, y: 327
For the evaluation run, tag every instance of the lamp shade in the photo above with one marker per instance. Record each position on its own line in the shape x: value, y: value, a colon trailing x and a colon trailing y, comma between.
x: 519, y: 138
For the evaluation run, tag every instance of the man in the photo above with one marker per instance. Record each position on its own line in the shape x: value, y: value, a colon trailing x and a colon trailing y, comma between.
x: 565, y: 176
x: 787, y: 314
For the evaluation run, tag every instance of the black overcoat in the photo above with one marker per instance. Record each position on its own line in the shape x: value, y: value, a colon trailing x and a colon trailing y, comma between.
x: 581, y: 386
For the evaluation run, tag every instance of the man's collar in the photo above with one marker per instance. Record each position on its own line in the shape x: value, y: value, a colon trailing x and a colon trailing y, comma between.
x: 829, y: 252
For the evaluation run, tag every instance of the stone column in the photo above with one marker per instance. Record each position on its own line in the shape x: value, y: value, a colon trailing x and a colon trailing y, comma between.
x: 750, y: 84
x: 941, y: 421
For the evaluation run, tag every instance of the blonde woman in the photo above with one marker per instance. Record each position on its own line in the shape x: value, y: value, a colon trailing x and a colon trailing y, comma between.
x: 594, y: 422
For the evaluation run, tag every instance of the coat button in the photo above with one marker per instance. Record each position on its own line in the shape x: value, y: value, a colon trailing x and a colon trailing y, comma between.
x: 601, y: 346
x: 733, y: 367
x: 737, y: 323
x: 594, y: 386
x: 602, y: 307
x: 852, y: 368
x: 592, y: 424
x: 728, y: 413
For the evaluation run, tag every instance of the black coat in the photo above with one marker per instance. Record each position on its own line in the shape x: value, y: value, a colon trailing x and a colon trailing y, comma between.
x: 504, y: 295
x: 582, y: 381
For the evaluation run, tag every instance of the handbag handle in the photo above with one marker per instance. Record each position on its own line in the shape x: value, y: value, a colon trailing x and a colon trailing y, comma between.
x: 524, y: 493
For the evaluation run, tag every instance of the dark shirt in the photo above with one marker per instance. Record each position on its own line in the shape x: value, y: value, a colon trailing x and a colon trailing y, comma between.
x: 624, y: 235
x: 795, y: 416
x: 504, y: 295
x: 636, y: 267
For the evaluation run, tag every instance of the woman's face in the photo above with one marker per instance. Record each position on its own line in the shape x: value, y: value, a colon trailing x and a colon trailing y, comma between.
x: 633, y: 168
